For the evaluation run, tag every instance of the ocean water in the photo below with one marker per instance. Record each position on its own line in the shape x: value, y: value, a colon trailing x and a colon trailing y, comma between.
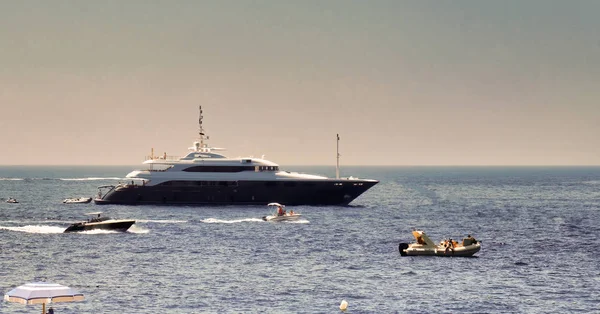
x: 539, y: 228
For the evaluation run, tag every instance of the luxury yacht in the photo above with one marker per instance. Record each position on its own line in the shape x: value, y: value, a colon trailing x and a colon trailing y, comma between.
x: 204, y: 176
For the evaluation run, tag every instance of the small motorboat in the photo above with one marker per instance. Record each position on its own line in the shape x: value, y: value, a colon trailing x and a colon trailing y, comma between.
x: 281, y: 214
x: 12, y: 200
x: 424, y: 246
x: 97, y: 222
x: 80, y: 200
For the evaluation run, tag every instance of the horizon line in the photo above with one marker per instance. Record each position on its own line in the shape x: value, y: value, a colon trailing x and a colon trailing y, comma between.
x: 324, y: 165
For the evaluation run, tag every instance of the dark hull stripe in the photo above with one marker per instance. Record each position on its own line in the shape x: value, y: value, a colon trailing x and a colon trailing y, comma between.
x: 245, y: 193
x: 120, y: 226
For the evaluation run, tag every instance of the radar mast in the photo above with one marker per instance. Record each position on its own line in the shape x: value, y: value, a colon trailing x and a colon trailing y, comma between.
x: 337, y: 165
x: 201, y: 135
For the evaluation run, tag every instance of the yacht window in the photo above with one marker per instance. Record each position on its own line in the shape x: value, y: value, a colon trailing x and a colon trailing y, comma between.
x: 218, y: 168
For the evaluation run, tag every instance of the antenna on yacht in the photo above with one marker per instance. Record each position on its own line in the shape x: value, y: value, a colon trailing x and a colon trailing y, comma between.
x: 337, y: 166
x: 200, y: 128
x: 201, y: 146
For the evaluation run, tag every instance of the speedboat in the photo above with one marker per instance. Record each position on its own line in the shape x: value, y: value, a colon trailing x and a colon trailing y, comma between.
x: 12, y: 200
x: 204, y: 176
x: 80, y: 200
x: 424, y: 246
x: 281, y: 214
x: 97, y: 222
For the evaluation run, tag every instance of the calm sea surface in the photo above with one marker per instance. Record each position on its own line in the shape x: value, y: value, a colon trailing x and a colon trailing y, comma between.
x: 539, y: 228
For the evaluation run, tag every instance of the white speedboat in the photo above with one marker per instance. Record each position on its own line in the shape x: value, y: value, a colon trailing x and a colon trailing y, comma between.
x: 424, y: 246
x: 204, y: 177
x: 281, y: 214
x: 100, y: 223
x: 285, y: 217
x: 80, y: 200
x: 12, y: 200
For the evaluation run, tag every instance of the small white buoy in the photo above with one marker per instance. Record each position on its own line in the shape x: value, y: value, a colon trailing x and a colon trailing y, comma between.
x: 343, y: 305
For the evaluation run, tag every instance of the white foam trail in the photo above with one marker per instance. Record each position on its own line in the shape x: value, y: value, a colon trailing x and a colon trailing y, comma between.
x: 591, y: 182
x: 36, y: 229
x: 220, y: 221
x: 96, y: 231
x: 11, y: 179
x: 301, y: 221
x: 136, y: 229
x: 53, y: 229
x: 132, y: 229
x: 162, y: 221
x: 91, y: 179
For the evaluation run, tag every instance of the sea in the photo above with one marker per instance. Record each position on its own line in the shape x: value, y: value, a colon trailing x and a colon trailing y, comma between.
x: 539, y: 228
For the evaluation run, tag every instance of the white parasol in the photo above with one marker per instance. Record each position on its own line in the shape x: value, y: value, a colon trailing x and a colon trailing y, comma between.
x: 42, y: 292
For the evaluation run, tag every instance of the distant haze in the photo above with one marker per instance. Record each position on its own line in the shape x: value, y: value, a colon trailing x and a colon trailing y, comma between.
x: 403, y: 82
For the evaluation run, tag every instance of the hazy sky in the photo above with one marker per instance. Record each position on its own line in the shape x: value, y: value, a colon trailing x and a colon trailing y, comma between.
x: 402, y: 82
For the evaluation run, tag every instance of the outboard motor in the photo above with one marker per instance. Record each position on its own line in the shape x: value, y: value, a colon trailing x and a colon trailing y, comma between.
x: 402, y: 247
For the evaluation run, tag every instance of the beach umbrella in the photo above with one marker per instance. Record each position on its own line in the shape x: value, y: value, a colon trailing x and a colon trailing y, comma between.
x: 42, y: 292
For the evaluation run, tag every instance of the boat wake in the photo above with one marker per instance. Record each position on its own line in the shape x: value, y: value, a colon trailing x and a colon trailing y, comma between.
x: 91, y: 179
x: 221, y: 221
x: 137, y: 229
x: 36, y: 229
x: 41, y: 229
x: 163, y: 221
x: 300, y: 221
x: 65, y: 179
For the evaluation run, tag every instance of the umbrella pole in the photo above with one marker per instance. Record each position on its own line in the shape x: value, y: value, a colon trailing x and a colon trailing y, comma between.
x: 43, y: 308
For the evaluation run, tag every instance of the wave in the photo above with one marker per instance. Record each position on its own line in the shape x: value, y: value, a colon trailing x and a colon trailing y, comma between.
x: 11, y: 179
x: 221, y: 221
x: 591, y: 182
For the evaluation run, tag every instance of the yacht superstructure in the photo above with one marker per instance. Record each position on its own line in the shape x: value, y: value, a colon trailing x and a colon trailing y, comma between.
x: 204, y: 176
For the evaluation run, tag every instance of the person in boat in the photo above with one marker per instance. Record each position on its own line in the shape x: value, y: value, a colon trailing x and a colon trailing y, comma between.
x: 472, y: 239
x: 280, y: 211
x: 420, y: 240
x: 50, y: 311
x: 450, y: 246
x: 97, y: 219
x: 291, y: 212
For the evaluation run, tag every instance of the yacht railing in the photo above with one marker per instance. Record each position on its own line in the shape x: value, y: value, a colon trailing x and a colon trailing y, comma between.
x: 163, y: 157
x: 157, y: 168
